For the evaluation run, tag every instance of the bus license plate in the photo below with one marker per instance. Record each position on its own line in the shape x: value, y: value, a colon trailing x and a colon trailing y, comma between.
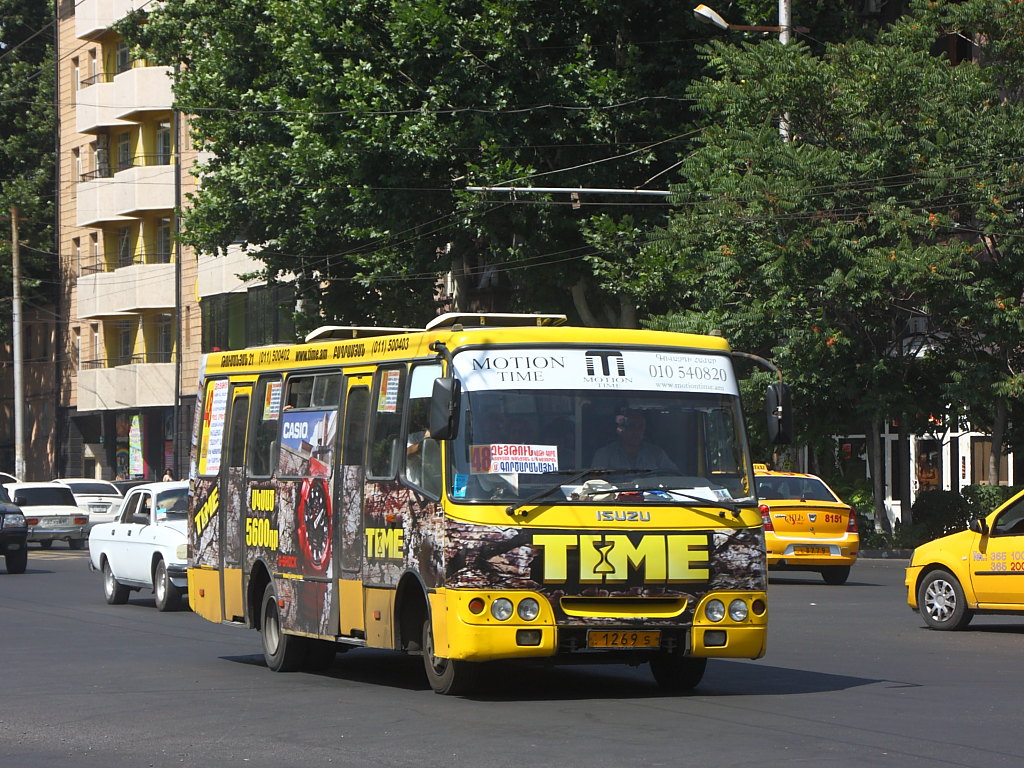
x: 599, y: 638
x: 811, y: 551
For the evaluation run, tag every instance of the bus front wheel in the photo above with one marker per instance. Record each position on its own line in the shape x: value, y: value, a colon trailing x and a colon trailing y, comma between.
x: 676, y: 673
x: 448, y: 677
x: 283, y: 653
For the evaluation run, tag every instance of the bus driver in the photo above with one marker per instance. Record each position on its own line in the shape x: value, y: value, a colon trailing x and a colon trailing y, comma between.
x: 630, y: 450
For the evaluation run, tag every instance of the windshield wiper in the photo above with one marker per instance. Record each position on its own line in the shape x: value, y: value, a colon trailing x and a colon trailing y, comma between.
x: 727, y: 505
x: 510, y: 510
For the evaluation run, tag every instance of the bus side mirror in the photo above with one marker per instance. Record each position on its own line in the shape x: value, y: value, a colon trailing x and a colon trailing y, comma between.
x: 779, y: 413
x: 444, y: 408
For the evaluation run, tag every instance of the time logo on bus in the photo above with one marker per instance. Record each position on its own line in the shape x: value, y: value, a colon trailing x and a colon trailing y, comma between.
x: 653, y: 558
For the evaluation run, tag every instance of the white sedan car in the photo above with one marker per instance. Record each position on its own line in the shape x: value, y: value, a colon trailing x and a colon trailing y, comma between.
x: 51, y: 514
x: 99, y: 498
x: 146, y: 547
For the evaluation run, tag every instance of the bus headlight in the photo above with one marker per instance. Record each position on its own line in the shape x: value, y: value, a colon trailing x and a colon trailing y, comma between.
x: 714, y: 610
x: 529, y: 609
x: 738, y: 610
x: 501, y: 609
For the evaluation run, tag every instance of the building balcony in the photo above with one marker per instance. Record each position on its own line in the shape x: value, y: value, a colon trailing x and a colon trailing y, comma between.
x: 125, y: 195
x: 126, y: 289
x: 140, y: 90
x: 219, y: 274
x: 97, y: 105
x: 93, y: 17
x: 104, y: 386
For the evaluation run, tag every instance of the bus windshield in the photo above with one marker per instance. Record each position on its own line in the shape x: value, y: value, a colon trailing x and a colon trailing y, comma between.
x: 513, y: 442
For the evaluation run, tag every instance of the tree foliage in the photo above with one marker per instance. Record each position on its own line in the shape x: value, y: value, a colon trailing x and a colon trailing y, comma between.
x: 26, y: 143
x: 876, y: 256
x: 341, y: 133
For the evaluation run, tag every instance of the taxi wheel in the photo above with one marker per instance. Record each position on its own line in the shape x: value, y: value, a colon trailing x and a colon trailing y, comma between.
x: 282, y: 652
x: 168, y: 596
x: 835, y: 574
x: 115, y: 592
x: 941, y: 601
x: 676, y: 673
x: 449, y: 677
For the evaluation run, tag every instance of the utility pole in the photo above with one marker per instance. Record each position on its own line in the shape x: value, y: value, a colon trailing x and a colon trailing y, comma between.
x: 19, y: 379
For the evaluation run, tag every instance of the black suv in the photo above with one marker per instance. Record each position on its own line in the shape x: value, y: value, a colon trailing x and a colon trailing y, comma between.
x: 13, y: 534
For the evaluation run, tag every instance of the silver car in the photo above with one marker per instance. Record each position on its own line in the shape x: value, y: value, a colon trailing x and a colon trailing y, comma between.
x: 51, y: 514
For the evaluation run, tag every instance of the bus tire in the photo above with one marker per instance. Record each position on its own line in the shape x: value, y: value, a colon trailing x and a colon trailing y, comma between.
x: 676, y: 673
x: 282, y: 652
x: 449, y: 677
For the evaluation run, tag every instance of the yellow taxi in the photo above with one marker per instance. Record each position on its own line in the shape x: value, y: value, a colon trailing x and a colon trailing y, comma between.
x: 806, y: 526
x: 980, y: 570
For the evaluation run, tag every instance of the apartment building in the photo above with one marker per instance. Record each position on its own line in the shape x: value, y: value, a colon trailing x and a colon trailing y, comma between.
x: 133, y: 299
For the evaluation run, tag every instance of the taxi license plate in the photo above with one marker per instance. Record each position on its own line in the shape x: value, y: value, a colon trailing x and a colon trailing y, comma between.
x: 600, y: 638
x: 811, y: 551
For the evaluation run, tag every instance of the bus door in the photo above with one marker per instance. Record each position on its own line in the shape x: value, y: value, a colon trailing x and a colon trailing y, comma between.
x: 233, y: 503
x: 349, y: 501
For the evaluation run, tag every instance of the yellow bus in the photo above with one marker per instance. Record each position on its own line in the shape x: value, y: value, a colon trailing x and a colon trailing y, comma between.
x: 490, y: 487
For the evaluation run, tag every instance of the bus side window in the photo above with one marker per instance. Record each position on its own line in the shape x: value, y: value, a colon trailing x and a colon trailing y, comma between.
x: 354, y: 449
x: 263, y: 431
x: 387, y: 423
x: 236, y: 439
x: 422, y: 452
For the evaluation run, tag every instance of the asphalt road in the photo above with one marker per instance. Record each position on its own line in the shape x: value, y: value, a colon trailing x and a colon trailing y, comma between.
x: 851, y: 678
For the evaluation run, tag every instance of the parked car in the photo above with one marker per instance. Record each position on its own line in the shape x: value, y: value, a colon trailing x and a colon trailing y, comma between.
x: 13, y: 534
x: 99, y: 498
x: 123, y: 486
x: 146, y: 547
x: 7, y: 478
x: 51, y: 514
x: 806, y: 526
x: 978, y: 571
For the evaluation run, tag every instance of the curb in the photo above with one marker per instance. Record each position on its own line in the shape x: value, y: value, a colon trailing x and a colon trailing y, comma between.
x: 885, y: 554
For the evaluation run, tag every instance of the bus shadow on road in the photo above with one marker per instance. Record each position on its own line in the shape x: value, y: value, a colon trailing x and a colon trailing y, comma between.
x: 538, y: 681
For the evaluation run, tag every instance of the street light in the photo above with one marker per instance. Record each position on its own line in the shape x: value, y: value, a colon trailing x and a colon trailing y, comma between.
x: 707, y: 15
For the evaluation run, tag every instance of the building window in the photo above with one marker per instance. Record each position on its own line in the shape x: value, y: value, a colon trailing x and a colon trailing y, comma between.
x: 94, y: 251
x: 981, y: 451
x: 125, y: 347
x: 163, y: 143
x: 77, y: 353
x: 122, y: 58
x: 163, y: 241
x: 76, y: 246
x: 164, y: 338
x: 76, y: 73
x: 124, y: 151
x: 269, y: 315
x: 94, y: 69
x: 78, y: 164
x: 124, y: 246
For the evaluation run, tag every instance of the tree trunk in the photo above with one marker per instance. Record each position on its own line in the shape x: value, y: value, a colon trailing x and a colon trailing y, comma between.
x: 903, y: 482
x: 995, y: 458
x: 579, y: 300
x: 874, y: 445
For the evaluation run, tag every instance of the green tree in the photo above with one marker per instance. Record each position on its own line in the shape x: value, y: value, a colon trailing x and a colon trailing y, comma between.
x: 26, y: 145
x: 853, y: 254
x: 342, y: 131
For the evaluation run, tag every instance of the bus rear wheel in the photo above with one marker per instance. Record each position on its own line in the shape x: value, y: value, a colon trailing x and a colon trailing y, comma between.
x: 676, y: 673
x: 449, y: 677
x: 283, y: 653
